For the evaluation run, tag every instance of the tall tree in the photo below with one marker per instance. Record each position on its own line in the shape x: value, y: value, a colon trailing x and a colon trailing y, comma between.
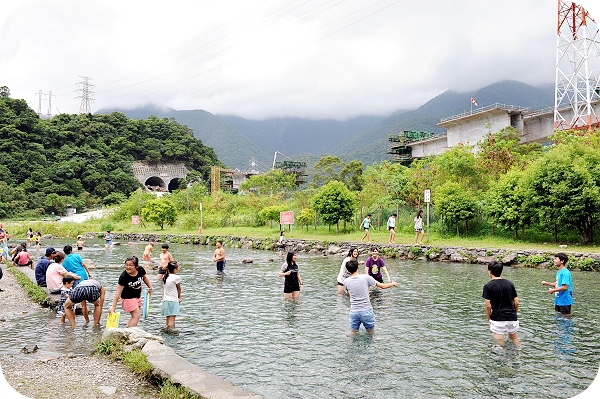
x: 564, y: 188
x: 334, y: 202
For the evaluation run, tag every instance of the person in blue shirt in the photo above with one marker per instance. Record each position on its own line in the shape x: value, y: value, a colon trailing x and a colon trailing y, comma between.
x: 562, y: 288
x: 42, y: 267
x: 366, y: 224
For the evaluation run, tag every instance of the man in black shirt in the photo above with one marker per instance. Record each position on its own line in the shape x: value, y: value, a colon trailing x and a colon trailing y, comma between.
x: 501, y: 305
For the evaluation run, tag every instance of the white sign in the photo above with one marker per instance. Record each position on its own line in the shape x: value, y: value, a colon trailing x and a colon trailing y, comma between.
x: 427, y: 195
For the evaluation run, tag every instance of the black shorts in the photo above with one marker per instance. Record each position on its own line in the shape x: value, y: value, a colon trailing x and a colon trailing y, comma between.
x: 340, y: 284
x: 391, y: 228
x: 377, y: 278
x: 563, y: 309
x: 288, y: 288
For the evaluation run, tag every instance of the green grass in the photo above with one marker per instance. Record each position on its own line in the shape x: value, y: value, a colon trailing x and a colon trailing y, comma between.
x: 36, y: 293
x: 169, y: 390
x: 322, y: 233
x: 137, y: 362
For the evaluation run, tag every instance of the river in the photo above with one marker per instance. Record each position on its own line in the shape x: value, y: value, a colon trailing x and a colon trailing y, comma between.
x: 431, y: 339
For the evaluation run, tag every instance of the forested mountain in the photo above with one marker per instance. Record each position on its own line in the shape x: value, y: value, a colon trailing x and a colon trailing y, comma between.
x: 233, y: 148
x: 293, y: 136
x: 84, y: 159
x: 237, y: 140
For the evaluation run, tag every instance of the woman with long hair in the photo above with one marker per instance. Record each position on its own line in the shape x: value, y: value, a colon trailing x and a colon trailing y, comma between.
x: 419, y: 227
x: 293, y: 281
x: 343, y: 274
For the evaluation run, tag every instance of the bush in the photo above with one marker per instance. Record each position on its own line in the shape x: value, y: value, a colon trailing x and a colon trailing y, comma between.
x: 588, y: 264
x: 416, y: 251
x: 534, y: 260
x: 434, y: 250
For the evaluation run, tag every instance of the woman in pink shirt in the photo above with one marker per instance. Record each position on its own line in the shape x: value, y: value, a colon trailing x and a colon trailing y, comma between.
x: 55, y: 273
x: 24, y: 259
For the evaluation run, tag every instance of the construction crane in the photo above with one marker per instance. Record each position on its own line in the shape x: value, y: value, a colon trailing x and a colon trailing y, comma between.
x: 275, y: 158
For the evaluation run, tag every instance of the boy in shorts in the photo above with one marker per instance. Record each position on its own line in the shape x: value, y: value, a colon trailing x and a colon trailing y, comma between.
x: 165, y: 257
x: 357, y: 287
x: 501, y: 305
x: 90, y: 291
x: 562, y: 288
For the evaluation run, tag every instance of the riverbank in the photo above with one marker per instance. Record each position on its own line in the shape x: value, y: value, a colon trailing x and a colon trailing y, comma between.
x: 36, y: 375
x: 182, y: 379
x: 578, y: 260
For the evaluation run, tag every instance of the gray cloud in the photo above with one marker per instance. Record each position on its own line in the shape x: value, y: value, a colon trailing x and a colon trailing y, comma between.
x: 258, y: 59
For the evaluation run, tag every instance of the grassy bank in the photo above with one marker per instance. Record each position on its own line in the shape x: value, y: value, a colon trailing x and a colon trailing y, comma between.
x: 322, y: 233
x: 137, y: 362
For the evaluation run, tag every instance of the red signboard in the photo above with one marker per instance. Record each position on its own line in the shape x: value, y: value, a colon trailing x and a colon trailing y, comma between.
x: 286, y: 217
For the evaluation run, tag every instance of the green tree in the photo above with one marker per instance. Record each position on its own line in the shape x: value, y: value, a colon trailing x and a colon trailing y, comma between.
x: 385, y: 183
x: 307, y: 216
x: 334, y: 202
x: 4, y: 92
x: 455, y: 205
x: 55, y: 203
x: 564, y: 188
x: 457, y: 165
x: 505, y: 201
x: 271, y: 214
x: 160, y: 211
x: 501, y: 151
x: 272, y: 183
x: 352, y: 175
x: 327, y: 169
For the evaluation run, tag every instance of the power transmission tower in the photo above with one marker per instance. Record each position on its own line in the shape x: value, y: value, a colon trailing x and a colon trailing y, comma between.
x: 577, y: 69
x: 86, y: 95
x: 50, y: 95
x: 39, y: 94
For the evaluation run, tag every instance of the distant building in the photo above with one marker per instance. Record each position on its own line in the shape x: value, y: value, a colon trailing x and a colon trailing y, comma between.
x: 472, y: 127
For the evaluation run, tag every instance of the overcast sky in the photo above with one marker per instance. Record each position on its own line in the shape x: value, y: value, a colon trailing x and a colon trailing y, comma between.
x: 270, y: 58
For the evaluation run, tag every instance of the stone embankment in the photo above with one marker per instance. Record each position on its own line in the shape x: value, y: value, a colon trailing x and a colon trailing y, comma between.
x: 509, y: 257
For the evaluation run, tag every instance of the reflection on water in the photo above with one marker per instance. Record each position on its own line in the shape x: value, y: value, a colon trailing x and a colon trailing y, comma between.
x: 431, y: 337
x: 563, y: 338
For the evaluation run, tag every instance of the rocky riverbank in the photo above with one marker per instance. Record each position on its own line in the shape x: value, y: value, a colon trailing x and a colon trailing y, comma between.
x: 510, y: 257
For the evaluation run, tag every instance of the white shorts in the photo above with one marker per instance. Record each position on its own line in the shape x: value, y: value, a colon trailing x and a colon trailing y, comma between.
x: 504, y: 327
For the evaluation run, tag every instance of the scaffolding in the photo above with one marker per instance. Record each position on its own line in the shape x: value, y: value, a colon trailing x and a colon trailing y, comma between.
x: 297, y: 168
x: 399, y: 144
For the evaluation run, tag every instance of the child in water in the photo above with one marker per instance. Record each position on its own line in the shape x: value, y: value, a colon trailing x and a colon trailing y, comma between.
x: 172, y: 295
x: 68, y: 281
x: 79, y: 243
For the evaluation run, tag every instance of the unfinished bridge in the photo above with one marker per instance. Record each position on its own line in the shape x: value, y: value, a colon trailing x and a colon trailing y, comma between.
x: 163, y: 177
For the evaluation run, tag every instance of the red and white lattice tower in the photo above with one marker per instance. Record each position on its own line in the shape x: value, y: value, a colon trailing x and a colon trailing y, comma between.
x: 577, y: 69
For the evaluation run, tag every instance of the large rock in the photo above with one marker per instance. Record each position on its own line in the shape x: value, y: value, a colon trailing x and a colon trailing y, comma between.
x: 510, y: 258
x: 484, y: 260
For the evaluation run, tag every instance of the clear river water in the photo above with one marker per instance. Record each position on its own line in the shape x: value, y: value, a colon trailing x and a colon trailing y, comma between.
x: 431, y: 340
